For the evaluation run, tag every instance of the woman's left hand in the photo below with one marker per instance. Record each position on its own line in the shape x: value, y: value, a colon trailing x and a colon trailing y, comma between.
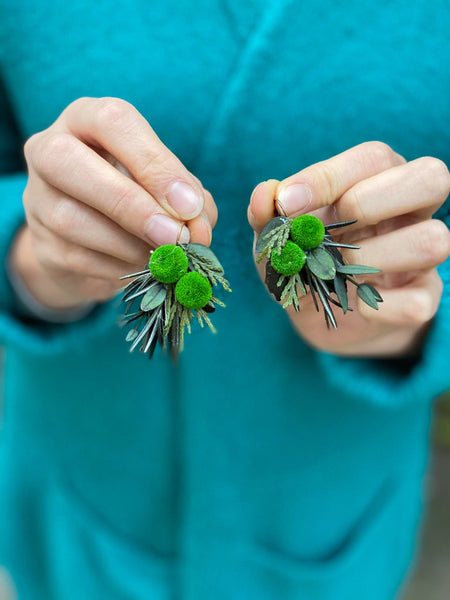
x: 393, y: 201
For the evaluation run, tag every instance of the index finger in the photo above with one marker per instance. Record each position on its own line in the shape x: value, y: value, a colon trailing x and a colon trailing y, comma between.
x: 323, y: 183
x: 116, y: 126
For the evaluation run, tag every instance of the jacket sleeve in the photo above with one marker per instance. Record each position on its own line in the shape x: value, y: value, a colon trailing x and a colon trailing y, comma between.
x: 33, y: 334
x: 395, y: 383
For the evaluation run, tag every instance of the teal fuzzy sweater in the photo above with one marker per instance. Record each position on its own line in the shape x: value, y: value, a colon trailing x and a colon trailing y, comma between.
x: 258, y: 469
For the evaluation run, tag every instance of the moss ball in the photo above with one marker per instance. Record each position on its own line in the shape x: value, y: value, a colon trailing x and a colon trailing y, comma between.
x: 168, y: 263
x: 307, y: 231
x: 290, y: 261
x: 193, y: 291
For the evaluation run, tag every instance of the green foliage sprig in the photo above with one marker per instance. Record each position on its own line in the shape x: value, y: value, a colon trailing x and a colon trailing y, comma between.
x: 323, y: 272
x: 176, y: 287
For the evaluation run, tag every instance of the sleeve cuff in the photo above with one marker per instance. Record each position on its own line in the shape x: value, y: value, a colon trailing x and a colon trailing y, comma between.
x: 399, y: 383
x: 25, y: 331
x: 27, y: 306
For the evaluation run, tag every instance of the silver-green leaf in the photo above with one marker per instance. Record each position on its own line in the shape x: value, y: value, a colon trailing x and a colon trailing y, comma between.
x: 366, y: 294
x: 153, y: 298
x: 357, y: 269
x: 131, y: 335
x: 321, y: 263
x: 375, y: 292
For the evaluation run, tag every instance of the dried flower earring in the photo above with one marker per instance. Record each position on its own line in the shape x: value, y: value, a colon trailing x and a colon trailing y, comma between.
x: 176, y: 286
x: 302, y: 255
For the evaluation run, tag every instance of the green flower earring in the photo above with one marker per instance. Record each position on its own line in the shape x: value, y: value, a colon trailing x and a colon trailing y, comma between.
x: 301, y: 256
x: 176, y: 286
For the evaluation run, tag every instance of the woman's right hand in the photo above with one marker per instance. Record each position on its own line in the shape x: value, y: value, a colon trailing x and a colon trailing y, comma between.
x: 88, y: 222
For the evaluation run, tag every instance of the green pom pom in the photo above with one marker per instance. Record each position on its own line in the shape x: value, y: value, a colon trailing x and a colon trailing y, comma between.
x: 307, y: 231
x: 290, y: 261
x: 168, y: 263
x: 193, y: 291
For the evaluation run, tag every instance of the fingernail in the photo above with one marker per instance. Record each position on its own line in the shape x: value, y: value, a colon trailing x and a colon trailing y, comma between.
x: 164, y: 230
x: 184, y: 200
x: 295, y: 198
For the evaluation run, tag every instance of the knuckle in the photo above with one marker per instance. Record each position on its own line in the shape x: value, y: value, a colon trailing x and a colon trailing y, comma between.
x: 155, y: 168
x: 50, y: 257
x: 328, y: 183
x: 438, y: 285
x: 353, y: 202
x: 112, y: 111
x: 77, y: 104
x: 26, y: 198
x: 434, y: 242
x: 125, y: 199
x: 380, y: 154
x: 78, y: 260
x: 436, y: 175
x: 63, y: 217
x: 419, y: 309
x: 52, y: 151
x: 30, y: 146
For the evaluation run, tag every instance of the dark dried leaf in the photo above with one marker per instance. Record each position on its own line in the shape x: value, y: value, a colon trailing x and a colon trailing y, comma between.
x: 174, y: 338
x: 342, y: 224
x: 328, y: 289
x: 340, y: 286
x: 337, y: 245
x: 209, y: 308
x: 271, y: 279
x: 160, y: 328
x: 326, y: 307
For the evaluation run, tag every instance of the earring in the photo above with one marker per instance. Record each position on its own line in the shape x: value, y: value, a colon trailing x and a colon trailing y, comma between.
x: 176, y: 286
x: 302, y: 255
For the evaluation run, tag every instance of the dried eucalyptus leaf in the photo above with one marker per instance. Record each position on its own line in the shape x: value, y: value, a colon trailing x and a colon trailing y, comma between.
x: 203, y: 253
x: 262, y: 240
x: 321, y: 263
x: 141, y: 291
x: 153, y: 298
x: 132, y: 335
x: 357, y: 269
x: 367, y: 295
x: 375, y: 292
x: 340, y: 286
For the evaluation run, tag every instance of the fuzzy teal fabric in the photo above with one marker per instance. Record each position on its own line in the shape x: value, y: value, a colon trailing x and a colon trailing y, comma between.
x: 257, y: 468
